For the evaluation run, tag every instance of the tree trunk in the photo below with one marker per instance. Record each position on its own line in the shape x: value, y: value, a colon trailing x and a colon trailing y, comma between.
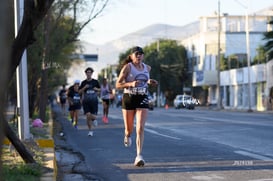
x: 44, y: 81
x: 43, y: 97
x: 5, y: 30
x: 34, y: 12
x: 20, y: 147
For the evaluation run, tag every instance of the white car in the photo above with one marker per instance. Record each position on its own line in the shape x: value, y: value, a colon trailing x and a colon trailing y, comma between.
x: 183, y: 101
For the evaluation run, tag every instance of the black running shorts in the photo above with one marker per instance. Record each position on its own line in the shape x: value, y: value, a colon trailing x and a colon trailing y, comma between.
x: 74, y: 107
x: 132, y: 102
x: 90, y: 106
x: 107, y: 101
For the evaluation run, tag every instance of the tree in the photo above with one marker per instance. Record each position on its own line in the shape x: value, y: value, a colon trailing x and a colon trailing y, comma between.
x: 268, y: 36
x: 11, y: 57
x: 4, y: 59
x: 58, y: 34
x: 261, y: 55
x: 169, y: 65
x: 34, y: 12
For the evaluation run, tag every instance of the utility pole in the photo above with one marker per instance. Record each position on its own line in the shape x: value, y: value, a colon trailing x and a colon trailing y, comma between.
x: 192, y: 67
x: 22, y: 80
x: 248, y: 53
x: 248, y: 61
x: 158, y: 86
x: 219, y: 102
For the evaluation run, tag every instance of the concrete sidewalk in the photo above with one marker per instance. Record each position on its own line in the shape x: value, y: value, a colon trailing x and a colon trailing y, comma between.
x: 48, y: 147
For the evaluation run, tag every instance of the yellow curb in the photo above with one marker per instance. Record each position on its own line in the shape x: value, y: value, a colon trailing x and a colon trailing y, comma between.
x: 45, y: 143
x: 6, y: 141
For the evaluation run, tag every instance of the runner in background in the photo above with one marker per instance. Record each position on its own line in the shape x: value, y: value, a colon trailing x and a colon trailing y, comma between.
x: 89, y: 89
x: 106, y: 96
x: 74, y: 101
x: 62, y: 98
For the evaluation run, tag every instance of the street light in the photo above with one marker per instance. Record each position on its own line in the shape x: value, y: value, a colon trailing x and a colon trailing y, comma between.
x: 248, y: 57
x: 248, y: 53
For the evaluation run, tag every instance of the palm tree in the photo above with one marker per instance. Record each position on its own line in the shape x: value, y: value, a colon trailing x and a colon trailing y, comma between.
x: 268, y: 36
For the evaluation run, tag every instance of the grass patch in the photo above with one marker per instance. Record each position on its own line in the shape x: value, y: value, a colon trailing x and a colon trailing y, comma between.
x: 14, y: 167
x: 22, y: 172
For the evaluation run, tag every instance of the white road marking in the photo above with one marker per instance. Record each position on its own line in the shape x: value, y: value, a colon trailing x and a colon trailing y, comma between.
x: 156, y: 133
x: 208, y: 177
x: 253, y: 155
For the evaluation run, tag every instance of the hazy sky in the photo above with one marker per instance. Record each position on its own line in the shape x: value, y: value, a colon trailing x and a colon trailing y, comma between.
x: 122, y: 17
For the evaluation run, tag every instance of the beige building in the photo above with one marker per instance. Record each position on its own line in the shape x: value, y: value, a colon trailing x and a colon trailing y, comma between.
x: 238, y: 88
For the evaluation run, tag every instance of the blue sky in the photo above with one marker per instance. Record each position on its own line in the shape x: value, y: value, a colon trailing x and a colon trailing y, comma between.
x: 122, y: 17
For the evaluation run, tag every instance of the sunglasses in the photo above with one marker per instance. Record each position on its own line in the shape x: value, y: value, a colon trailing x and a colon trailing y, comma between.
x: 138, y: 53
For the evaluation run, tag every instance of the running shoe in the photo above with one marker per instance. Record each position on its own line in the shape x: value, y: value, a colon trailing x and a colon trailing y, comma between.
x: 103, y: 119
x: 139, y: 161
x: 106, y: 120
x: 95, y: 123
x: 90, y: 133
x: 127, y: 141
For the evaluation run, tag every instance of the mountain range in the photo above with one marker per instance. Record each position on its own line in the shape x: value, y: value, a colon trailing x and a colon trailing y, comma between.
x: 108, y: 53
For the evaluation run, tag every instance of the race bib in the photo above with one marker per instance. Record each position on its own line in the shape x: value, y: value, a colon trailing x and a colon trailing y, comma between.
x: 139, y: 90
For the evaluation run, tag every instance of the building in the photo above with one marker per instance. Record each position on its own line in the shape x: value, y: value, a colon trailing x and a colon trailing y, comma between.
x: 226, y: 35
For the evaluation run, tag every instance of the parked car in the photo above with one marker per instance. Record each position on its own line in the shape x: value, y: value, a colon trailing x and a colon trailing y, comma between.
x: 184, y: 101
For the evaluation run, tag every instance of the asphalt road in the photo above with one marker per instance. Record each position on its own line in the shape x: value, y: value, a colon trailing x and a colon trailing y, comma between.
x: 184, y: 145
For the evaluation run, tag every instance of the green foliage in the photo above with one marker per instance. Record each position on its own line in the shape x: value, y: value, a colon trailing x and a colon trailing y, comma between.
x: 22, y: 172
x: 50, y: 52
x: 261, y: 56
x: 268, y: 46
x: 223, y: 63
x: 169, y: 65
x: 14, y: 167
